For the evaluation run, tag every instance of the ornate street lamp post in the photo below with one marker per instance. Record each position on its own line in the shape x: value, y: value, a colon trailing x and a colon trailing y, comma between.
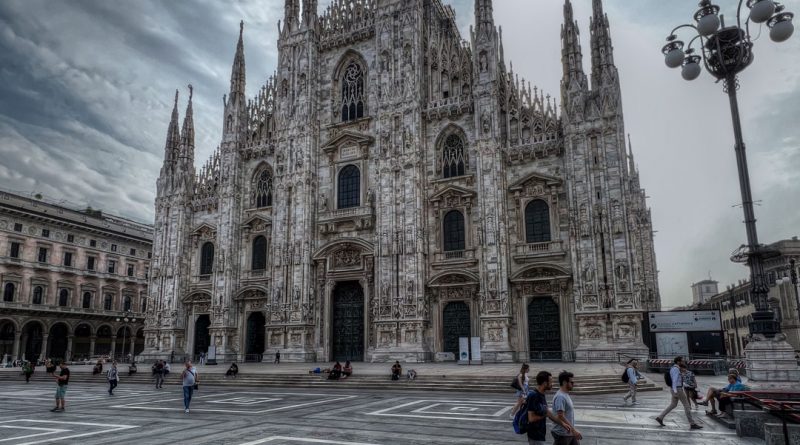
x: 726, y: 51
x: 127, y: 319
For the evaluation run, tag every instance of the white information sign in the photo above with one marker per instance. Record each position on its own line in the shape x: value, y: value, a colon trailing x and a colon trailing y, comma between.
x: 684, y: 321
x: 463, y: 350
x: 475, y: 348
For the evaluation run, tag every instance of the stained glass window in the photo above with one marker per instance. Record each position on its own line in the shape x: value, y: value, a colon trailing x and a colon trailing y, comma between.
x: 353, y: 93
x: 454, y: 159
x: 537, y: 222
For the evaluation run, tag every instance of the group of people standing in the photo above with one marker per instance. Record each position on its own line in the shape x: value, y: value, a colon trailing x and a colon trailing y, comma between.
x: 534, y: 400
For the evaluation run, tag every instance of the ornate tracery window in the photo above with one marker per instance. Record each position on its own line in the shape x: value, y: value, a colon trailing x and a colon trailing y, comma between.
x: 207, y: 259
x: 263, y: 190
x: 353, y: 92
x: 537, y: 222
x: 260, y: 253
x: 349, y: 187
x: 453, y: 231
x: 454, y: 159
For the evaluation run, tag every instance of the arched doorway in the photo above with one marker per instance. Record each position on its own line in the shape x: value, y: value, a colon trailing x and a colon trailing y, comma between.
x: 81, y: 344
x: 544, y: 329
x: 32, y: 338
x: 123, y: 343
x: 202, y: 338
x: 254, y: 349
x: 102, y: 345
x: 7, y: 331
x: 347, y: 334
x: 58, y: 341
x: 138, y: 345
x: 455, y: 324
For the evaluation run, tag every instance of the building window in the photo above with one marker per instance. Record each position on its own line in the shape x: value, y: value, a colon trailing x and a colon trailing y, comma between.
x: 63, y: 297
x: 133, y: 252
x: 112, y: 266
x: 108, y: 301
x: 453, y: 231
x: 14, y: 250
x: 92, y: 243
x: 8, y: 292
x: 349, y: 190
x: 68, y: 259
x: 130, y: 270
x: 537, y: 222
x: 46, y: 233
x: 42, y: 255
x: 113, y: 247
x: 263, y: 190
x: 90, y: 263
x: 87, y: 300
x: 260, y: 253
x: 144, y: 305
x: 149, y: 255
x: 454, y: 160
x: 207, y: 259
x: 146, y: 273
x: 17, y: 227
x: 353, y: 92
x: 126, y: 304
x: 38, y: 293
x: 70, y: 238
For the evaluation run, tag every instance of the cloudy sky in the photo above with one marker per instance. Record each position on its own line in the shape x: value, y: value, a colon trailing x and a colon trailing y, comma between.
x: 86, y: 89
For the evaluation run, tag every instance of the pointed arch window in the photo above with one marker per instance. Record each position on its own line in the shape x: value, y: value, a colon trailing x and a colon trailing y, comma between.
x: 260, y: 253
x: 8, y: 292
x: 87, y: 300
x: 349, y: 187
x: 353, y: 92
x: 537, y: 222
x: 454, y: 159
x: 454, y: 234
x: 263, y: 190
x: 38, y: 294
x: 63, y: 297
x: 207, y: 259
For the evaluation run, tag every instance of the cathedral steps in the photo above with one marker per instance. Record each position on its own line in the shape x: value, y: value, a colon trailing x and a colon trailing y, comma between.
x: 587, y: 385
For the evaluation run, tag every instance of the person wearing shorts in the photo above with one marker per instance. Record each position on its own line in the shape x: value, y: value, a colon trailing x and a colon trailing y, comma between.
x: 61, y: 391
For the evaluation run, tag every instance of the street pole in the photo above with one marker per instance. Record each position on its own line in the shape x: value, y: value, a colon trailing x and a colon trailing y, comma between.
x: 793, y: 275
x: 735, y: 321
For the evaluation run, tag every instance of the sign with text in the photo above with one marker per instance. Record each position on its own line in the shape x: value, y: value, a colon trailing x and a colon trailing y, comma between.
x: 684, y: 321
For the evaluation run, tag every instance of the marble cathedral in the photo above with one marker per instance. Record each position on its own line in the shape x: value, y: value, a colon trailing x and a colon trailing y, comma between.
x: 394, y: 187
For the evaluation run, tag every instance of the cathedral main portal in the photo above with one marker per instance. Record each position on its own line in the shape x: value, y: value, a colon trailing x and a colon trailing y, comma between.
x: 347, y: 337
x: 544, y: 329
x: 455, y: 324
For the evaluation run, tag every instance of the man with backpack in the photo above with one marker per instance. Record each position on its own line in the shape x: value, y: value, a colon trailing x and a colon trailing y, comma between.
x: 113, y: 378
x: 674, y: 380
x: 631, y: 377
x: 158, y: 373
x: 537, y: 413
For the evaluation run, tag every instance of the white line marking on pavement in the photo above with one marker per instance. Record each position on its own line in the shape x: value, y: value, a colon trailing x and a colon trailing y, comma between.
x: 47, y: 431
x: 315, y: 399
x: 306, y: 440
x: 109, y: 428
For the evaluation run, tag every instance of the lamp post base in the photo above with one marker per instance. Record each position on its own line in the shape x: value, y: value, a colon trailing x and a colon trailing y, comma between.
x: 771, y: 363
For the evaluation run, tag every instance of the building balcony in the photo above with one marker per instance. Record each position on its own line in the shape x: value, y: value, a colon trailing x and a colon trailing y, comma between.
x: 536, y: 251
x: 455, y: 258
x: 353, y: 218
x: 66, y: 310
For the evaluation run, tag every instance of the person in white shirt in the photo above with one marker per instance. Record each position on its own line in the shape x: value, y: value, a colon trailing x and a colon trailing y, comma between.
x: 678, y: 394
x: 633, y: 378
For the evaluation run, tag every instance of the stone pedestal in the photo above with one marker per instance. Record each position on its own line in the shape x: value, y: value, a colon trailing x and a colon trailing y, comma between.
x: 771, y: 363
x: 775, y: 435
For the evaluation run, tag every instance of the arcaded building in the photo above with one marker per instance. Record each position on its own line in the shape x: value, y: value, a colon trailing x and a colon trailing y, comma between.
x: 393, y: 187
x: 73, y: 282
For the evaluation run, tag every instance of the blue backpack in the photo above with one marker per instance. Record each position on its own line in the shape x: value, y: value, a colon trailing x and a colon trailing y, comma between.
x: 521, y: 419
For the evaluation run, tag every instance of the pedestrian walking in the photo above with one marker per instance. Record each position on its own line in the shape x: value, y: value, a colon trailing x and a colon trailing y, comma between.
x: 202, y: 358
x: 689, y: 385
x: 277, y: 357
x: 172, y: 357
x: 632, y: 378
x: 538, y: 412
x: 190, y: 382
x: 521, y: 382
x: 675, y: 381
x: 158, y: 373
x: 62, y: 380
x: 565, y: 410
x: 27, y: 369
x: 113, y: 378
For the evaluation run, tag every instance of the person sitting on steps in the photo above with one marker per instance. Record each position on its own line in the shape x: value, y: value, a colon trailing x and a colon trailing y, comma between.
x: 232, y: 371
x: 347, y: 371
x: 132, y: 369
x: 98, y: 368
x: 397, y: 370
x: 336, y: 372
x: 724, y: 396
x: 713, y: 393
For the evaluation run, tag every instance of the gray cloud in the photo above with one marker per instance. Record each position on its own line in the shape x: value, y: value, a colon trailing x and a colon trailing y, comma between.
x: 86, y: 90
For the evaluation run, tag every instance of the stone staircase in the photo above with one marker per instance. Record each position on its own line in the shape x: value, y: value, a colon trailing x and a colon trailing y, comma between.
x: 585, y: 385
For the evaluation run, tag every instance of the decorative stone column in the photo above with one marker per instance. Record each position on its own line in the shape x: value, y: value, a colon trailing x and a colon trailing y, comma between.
x: 133, y: 344
x: 92, y: 341
x: 113, y: 346
x: 45, y: 346
x: 68, y: 354
x: 17, y: 344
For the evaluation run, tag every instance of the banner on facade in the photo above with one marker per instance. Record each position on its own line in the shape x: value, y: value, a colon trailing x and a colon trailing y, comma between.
x: 684, y: 321
x: 463, y: 350
x: 475, y: 351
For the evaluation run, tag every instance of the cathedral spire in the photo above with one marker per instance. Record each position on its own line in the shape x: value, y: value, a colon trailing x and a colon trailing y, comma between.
x: 187, y: 133
x: 172, y: 146
x: 291, y: 13
x: 309, y: 12
x: 484, y: 16
x: 602, y: 49
x: 571, y: 54
x: 238, y: 71
x: 631, y: 162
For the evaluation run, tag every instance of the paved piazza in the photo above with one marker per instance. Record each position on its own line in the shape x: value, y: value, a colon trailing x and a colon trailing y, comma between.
x: 224, y: 415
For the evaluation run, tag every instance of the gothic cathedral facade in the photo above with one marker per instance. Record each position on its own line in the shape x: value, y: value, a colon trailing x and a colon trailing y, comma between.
x: 393, y: 188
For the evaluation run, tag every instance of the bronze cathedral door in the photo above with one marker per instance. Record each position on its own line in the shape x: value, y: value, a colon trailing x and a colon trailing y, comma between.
x: 544, y: 329
x: 347, y: 336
